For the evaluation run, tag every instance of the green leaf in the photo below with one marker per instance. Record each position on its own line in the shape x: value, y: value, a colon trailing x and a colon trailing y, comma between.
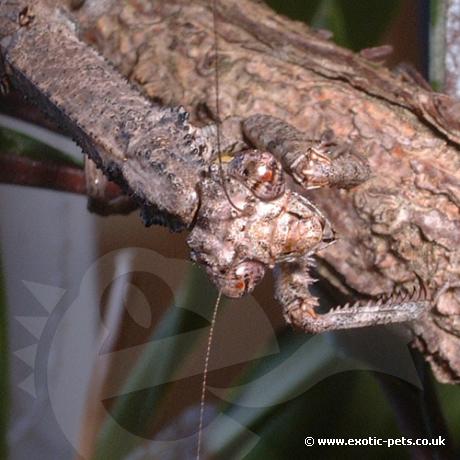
x: 346, y: 405
x: 301, y: 363
x: 355, y: 24
x: 329, y: 16
x: 450, y: 404
x: 306, y: 389
x: 437, y: 40
x: 366, y: 21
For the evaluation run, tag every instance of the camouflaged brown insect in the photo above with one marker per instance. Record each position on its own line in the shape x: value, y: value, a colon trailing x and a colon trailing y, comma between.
x: 399, y: 226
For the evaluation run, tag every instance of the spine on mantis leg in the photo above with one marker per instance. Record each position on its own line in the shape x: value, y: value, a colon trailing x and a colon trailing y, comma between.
x: 312, y: 163
x: 292, y: 281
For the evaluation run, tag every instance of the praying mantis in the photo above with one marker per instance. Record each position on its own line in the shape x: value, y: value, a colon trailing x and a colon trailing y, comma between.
x: 397, y: 222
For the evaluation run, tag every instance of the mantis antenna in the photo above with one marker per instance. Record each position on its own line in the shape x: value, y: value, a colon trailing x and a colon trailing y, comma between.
x: 217, y: 104
x: 205, y: 375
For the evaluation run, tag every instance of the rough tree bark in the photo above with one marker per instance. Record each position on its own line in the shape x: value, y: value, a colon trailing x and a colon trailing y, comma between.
x: 399, y: 227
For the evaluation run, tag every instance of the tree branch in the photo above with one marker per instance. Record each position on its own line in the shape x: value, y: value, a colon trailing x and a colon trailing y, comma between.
x: 399, y: 227
x: 20, y: 170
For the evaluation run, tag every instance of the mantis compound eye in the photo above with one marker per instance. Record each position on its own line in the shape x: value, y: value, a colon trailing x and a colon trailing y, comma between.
x: 260, y: 172
x: 241, y: 279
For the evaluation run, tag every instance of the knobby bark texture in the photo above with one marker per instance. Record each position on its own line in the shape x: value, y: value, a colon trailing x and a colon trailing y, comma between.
x: 400, y: 228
